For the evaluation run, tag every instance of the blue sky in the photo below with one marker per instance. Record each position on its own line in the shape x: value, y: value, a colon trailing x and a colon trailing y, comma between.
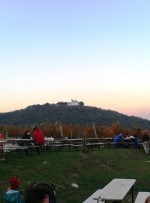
x: 95, y: 51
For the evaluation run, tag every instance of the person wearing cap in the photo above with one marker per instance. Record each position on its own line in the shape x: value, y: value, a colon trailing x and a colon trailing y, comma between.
x: 12, y: 194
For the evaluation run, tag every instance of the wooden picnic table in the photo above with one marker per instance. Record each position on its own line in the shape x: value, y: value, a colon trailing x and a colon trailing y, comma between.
x: 18, y: 141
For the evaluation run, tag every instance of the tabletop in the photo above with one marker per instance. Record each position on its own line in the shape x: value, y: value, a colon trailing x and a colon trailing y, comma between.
x: 116, y: 189
x: 2, y: 142
x: 141, y: 197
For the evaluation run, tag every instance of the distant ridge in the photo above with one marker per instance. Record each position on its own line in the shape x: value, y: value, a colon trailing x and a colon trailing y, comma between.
x: 72, y: 115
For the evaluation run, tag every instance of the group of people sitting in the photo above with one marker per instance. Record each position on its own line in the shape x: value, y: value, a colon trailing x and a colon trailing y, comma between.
x: 37, y: 135
x: 34, y: 193
x: 120, y: 141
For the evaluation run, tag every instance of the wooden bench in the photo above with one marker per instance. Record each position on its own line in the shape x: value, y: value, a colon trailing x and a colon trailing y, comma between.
x: 93, y: 145
x: 94, y: 198
x: 141, y: 197
x: 75, y: 147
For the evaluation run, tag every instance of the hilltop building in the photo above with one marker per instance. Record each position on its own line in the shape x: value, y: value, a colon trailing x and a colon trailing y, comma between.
x: 73, y: 103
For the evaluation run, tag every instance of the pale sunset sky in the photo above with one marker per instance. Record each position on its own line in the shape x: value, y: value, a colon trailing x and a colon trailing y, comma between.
x: 95, y: 51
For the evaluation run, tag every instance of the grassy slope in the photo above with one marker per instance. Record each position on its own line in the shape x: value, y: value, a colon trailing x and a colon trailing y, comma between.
x: 91, y: 171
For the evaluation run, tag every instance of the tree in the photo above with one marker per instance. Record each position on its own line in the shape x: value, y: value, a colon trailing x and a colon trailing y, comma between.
x: 81, y: 103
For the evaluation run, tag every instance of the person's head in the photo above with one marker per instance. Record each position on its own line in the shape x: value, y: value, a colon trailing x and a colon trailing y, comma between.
x: 14, y: 182
x: 28, y: 132
x: 35, y: 128
x: 147, y: 200
x: 40, y: 193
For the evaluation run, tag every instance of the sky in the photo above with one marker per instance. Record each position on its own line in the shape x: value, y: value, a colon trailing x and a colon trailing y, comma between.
x: 95, y: 51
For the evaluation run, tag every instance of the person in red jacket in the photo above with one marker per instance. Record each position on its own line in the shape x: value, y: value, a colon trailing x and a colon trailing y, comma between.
x: 38, y: 137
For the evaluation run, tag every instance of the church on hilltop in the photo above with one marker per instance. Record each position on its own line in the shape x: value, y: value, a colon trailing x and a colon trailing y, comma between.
x: 73, y: 103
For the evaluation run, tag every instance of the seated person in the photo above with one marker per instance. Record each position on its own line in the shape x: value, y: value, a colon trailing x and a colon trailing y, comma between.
x: 26, y: 135
x: 13, y: 195
x: 118, y: 140
x: 27, y: 140
x: 40, y: 193
x: 38, y: 137
x: 136, y: 135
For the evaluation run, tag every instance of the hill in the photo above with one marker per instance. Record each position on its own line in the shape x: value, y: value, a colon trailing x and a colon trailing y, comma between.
x: 75, y: 115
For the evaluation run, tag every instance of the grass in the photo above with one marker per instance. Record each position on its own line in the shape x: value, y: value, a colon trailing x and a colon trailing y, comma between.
x: 91, y: 171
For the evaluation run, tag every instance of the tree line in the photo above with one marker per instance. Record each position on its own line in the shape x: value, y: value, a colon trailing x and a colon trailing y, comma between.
x: 59, y: 130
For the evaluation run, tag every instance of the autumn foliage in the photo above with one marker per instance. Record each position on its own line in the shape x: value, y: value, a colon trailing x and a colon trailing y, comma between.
x: 58, y: 130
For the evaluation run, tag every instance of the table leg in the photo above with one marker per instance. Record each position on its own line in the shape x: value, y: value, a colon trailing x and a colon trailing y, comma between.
x: 132, y: 195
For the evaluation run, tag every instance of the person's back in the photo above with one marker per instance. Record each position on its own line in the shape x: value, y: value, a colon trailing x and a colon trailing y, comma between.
x: 145, y: 137
x: 145, y: 141
x: 117, y: 138
x: 38, y: 136
x: 136, y: 134
x: 12, y: 195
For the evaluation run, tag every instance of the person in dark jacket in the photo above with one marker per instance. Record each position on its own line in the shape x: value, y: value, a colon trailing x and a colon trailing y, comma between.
x: 136, y: 135
x: 26, y: 140
x: 145, y: 141
x: 27, y: 134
